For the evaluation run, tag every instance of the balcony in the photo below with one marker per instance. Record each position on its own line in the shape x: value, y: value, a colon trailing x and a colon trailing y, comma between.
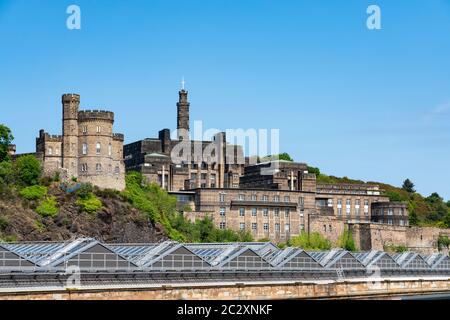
x: 268, y: 204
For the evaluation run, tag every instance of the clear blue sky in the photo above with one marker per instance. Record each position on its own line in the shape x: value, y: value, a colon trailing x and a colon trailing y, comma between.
x: 373, y: 105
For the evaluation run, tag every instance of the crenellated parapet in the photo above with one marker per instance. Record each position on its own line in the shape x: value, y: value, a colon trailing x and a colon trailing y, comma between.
x: 118, y: 137
x: 103, y: 115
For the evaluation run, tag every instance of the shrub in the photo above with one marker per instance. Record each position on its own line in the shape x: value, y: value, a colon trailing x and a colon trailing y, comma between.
x: 90, y: 204
x: 85, y: 191
x: 34, y: 192
x: 48, y: 207
x: 313, y: 241
x: 4, y: 222
x: 27, y: 170
x: 443, y: 241
x: 6, y: 172
x: 107, y: 193
x: 346, y: 241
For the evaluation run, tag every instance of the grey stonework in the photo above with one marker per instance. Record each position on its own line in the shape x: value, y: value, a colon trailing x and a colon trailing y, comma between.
x: 88, y: 150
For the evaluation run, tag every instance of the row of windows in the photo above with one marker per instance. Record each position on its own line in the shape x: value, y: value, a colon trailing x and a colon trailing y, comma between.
x: 203, y: 176
x: 264, y: 198
x: 348, y: 202
x: 389, y: 211
x: 50, y: 151
x: 98, y: 148
x: 347, y: 211
x: 391, y: 222
x: 254, y: 212
x: 254, y: 226
x: 98, y: 129
x: 98, y: 168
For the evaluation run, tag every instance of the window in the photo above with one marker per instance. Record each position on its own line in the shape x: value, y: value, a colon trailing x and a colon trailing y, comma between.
x: 264, y: 198
x: 84, y: 129
x: 254, y: 197
x: 357, y: 202
x: 302, y: 213
x: 390, y: 221
x: 286, y: 199
x: 402, y: 223
x: 265, y: 212
x: 286, y: 213
x: 266, y: 227
x: 400, y: 211
x: 287, y: 227
x: 98, y: 167
x: 366, y: 202
x: 116, y: 170
x: 242, y: 212
x: 203, y: 176
x: 203, y: 185
x: 222, y: 225
x: 213, y: 177
x: 301, y: 201
x: 276, y: 212
x: 241, y: 197
x: 98, y: 148
x: 50, y: 151
x: 85, y: 149
x: 339, y: 211
x: 349, y: 201
x: 109, y: 150
x: 357, y: 211
x: 302, y: 227
x: 221, y: 197
x: 276, y: 198
x: 277, y: 227
x: 390, y: 211
x: 56, y: 151
x: 99, y: 129
x: 329, y: 228
x: 254, y: 226
x: 324, y: 228
x: 222, y: 211
x: 242, y: 226
x: 254, y: 211
x: 84, y: 167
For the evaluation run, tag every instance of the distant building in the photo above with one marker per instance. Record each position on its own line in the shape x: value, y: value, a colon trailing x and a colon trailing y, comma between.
x: 87, y: 150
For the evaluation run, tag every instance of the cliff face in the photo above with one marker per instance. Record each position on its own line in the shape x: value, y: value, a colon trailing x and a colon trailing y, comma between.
x: 116, y: 222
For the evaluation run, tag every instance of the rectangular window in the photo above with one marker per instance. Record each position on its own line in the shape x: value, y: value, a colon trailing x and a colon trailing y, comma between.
x: 390, y: 211
x: 98, y: 148
x: 98, y: 167
x: 99, y: 129
x: 349, y: 201
x: 222, y: 225
x: 213, y: 177
x: 109, y: 150
x: 357, y: 211
x: 254, y: 226
x: 221, y: 197
x: 301, y: 200
x: 390, y: 221
x: 253, y: 197
x: 286, y: 213
x: 340, y: 211
x: 266, y: 227
x: 276, y: 198
x: 286, y: 199
x: 50, y: 151
x: 242, y: 197
x: 357, y: 202
x: 57, y: 151
x: 277, y: 227
x: 203, y: 176
x: 84, y: 129
x: 222, y: 211
x: 287, y: 227
x: 254, y: 211
x: 242, y: 226
x: 84, y: 148
x: 276, y: 212
x: 401, y: 222
x: 264, y: 198
x: 265, y: 212
x: 242, y: 212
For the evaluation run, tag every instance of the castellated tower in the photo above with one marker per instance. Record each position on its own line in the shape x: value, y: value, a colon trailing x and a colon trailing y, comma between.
x: 182, y: 115
x: 71, y: 104
x: 87, y: 150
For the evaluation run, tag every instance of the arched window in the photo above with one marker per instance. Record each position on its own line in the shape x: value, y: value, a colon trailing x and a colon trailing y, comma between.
x: 98, y: 167
x: 85, y: 149
x: 57, y: 151
x: 50, y: 151
x: 98, y: 148
x: 109, y: 150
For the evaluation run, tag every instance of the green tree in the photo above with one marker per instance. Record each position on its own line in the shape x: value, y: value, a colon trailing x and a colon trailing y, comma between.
x: 408, y: 186
x: 413, y: 219
x: 27, y: 170
x: 312, y: 241
x: 6, y: 172
x: 6, y: 138
x: 314, y: 170
x: 346, y: 241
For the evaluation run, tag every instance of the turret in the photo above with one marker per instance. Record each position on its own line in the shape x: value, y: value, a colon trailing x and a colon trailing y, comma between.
x: 182, y: 115
x: 71, y: 104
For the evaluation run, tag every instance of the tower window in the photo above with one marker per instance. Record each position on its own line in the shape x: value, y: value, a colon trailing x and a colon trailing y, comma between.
x: 98, y: 148
x: 85, y: 148
x: 98, y: 167
x: 50, y: 151
x: 99, y: 129
x: 56, y: 151
x: 84, y: 129
x: 109, y: 150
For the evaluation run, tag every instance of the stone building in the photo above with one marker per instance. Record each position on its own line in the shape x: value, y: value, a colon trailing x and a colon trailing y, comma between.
x: 178, y: 163
x: 87, y: 150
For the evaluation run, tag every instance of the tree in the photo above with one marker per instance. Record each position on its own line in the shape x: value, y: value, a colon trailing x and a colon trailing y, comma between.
x: 413, y: 219
x: 314, y: 170
x: 6, y: 138
x: 282, y: 156
x: 408, y: 186
x: 27, y: 170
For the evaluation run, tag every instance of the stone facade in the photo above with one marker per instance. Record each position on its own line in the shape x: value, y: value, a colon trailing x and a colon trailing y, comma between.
x: 87, y: 150
x: 182, y: 164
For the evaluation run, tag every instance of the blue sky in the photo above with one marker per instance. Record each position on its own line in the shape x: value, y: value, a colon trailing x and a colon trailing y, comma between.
x: 368, y: 104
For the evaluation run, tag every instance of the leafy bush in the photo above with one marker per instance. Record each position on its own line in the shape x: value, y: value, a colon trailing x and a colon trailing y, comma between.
x: 4, y: 222
x: 89, y: 204
x: 313, y: 241
x: 443, y: 241
x: 48, y: 207
x: 27, y: 170
x: 6, y: 172
x: 346, y: 241
x: 34, y: 192
x: 85, y: 191
x: 107, y: 193
x: 6, y: 138
x: 314, y: 170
